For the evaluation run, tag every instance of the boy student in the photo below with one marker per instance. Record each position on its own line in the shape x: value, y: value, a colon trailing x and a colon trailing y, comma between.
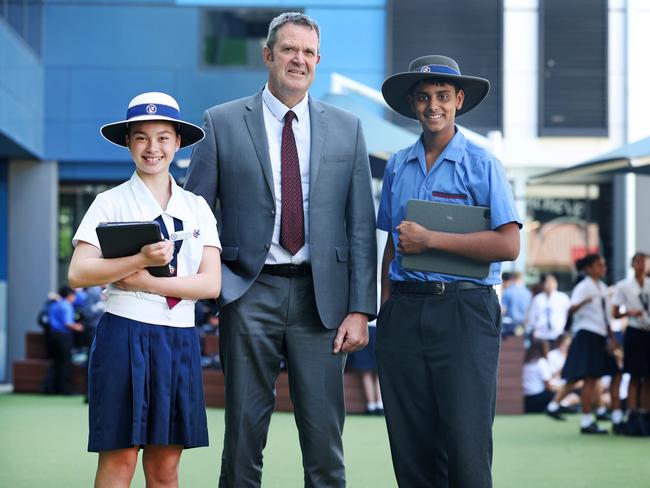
x: 631, y: 299
x: 62, y: 324
x: 438, y: 335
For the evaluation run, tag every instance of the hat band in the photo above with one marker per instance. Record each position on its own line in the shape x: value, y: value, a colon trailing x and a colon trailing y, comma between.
x: 438, y: 68
x: 152, y: 109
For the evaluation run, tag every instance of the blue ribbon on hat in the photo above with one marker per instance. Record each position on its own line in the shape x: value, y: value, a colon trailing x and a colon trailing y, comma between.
x: 438, y: 68
x: 153, y: 109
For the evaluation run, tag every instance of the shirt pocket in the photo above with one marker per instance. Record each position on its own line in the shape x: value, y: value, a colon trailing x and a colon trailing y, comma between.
x: 449, y: 197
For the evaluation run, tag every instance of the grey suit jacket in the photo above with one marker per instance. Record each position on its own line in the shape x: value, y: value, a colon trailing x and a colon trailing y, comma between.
x: 231, y: 169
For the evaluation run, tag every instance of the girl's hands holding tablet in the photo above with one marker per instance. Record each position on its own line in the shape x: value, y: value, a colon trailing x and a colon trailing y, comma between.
x: 158, y: 253
x: 138, y: 281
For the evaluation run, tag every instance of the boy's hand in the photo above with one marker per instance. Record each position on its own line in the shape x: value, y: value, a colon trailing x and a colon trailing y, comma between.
x: 412, y: 238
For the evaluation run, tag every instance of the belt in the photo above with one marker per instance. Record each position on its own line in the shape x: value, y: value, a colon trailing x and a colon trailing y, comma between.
x: 287, y: 270
x: 435, y: 287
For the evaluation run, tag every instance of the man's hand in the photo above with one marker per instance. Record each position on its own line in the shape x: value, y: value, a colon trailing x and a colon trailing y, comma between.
x: 138, y: 281
x: 412, y: 238
x: 352, y: 334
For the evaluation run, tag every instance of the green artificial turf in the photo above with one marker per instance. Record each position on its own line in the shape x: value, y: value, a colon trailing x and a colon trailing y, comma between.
x: 44, y: 445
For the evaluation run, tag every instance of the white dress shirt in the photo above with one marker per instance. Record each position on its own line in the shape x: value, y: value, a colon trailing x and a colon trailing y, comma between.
x: 628, y: 294
x: 274, y: 111
x: 547, y: 315
x: 132, y: 201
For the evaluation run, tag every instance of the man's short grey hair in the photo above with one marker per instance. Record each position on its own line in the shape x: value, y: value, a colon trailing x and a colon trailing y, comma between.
x: 290, y: 18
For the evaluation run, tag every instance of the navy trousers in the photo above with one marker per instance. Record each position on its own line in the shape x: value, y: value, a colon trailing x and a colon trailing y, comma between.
x: 437, y: 358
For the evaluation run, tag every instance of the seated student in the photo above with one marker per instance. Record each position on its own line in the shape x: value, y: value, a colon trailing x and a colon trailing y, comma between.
x: 570, y: 401
x: 145, y: 381
x: 536, y: 378
x: 61, y: 325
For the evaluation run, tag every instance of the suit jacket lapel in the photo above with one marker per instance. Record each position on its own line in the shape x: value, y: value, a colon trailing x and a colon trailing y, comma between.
x: 255, y: 122
x: 318, y: 122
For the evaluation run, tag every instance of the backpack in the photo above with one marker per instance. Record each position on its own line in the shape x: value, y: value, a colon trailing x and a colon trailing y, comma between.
x: 43, y: 319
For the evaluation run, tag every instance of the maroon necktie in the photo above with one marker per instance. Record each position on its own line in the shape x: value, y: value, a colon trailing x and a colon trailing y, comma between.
x: 292, y: 228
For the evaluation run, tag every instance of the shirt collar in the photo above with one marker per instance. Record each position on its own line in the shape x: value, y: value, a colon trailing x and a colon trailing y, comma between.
x: 279, y: 109
x: 150, y: 208
x: 453, y: 152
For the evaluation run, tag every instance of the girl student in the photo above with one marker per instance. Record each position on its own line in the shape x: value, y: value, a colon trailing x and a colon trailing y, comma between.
x: 536, y: 377
x: 145, y: 382
x: 594, y: 347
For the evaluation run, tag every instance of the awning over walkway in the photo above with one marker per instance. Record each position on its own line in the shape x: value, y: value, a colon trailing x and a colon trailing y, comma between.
x: 630, y: 158
x: 383, y: 138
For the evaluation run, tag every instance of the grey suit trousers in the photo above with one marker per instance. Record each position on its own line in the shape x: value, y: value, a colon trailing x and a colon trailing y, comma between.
x: 277, y: 319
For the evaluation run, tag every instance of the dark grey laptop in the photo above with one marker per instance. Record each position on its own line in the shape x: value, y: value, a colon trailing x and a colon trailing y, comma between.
x: 447, y: 217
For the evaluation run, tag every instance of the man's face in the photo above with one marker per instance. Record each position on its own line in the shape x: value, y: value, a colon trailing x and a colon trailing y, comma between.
x: 435, y: 106
x: 292, y: 63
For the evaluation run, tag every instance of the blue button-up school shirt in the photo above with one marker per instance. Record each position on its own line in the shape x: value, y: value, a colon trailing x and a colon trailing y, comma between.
x: 464, y: 174
x: 60, y: 314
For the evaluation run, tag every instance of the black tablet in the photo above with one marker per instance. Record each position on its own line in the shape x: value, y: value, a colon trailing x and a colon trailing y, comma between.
x: 120, y: 239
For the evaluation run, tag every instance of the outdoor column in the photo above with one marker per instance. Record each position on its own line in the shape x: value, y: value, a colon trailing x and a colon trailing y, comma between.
x: 32, y: 246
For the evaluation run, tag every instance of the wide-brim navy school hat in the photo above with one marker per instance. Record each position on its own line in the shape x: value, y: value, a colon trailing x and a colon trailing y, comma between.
x: 397, y: 87
x: 152, y: 106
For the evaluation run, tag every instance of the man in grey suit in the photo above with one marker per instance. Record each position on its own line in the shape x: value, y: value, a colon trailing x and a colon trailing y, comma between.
x: 290, y: 179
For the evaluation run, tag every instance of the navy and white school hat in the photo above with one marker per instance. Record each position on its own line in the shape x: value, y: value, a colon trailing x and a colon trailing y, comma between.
x: 397, y: 87
x: 152, y: 106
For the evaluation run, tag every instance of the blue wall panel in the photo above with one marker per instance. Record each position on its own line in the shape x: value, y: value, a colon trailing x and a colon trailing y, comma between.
x: 129, y: 49
x: 4, y: 218
x: 339, y: 4
x: 21, y: 95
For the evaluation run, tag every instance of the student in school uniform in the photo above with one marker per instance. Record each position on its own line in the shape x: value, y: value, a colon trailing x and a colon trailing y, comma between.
x: 593, y: 349
x: 438, y: 335
x: 62, y: 325
x: 536, y: 377
x: 145, y: 382
x: 632, y: 300
x: 548, y: 312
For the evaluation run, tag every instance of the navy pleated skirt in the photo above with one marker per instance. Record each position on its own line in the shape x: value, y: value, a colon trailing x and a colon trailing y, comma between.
x: 588, y: 357
x: 145, y: 386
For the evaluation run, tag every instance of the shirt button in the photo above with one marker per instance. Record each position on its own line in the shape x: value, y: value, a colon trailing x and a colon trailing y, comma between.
x: 267, y: 246
x: 272, y: 212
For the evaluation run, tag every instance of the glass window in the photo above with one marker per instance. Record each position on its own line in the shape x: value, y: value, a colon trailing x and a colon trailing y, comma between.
x: 469, y: 31
x: 573, y: 68
x: 16, y: 14
x: 25, y: 17
x: 34, y: 25
x: 236, y: 37
x: 74, y: 201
